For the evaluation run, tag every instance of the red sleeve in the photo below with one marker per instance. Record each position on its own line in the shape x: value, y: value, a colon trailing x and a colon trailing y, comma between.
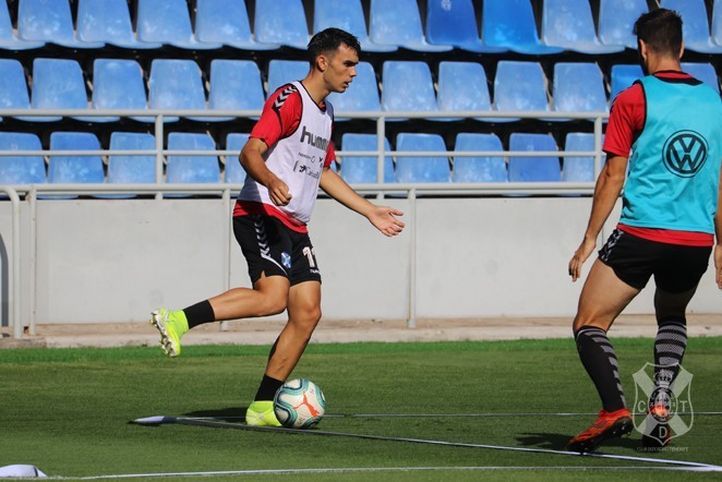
x: 330, y: 155
x: 626, y: 121
x: 280, y: 117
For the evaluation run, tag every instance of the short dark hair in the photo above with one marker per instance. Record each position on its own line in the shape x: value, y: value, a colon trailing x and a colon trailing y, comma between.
x: 329, y: 40
x: 661, y: 30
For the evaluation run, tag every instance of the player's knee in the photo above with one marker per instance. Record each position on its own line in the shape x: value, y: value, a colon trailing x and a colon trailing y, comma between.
x: 307, y: 318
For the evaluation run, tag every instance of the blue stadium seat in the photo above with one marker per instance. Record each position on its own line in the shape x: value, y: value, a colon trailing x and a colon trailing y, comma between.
x: 361, y: 95
x: 717, y: 22
x: 118, y: 84
x: 192, y: 169
x: 695, y: 25
x: 359, y: 170
x: 421, y: 169
x: 75, y: 169
x: 616, y: 21
x: 282, y: 72
x: 579, y: 87
x: 398, y: 23
x: 533, y: 169
x: 454, y: 23
x: 8, y: 39
x: 569, y: 24
x: 49, y: 21
x: 21, y: 169
x: 463, y: 86
x: 478, y: 169
x: 624, y: 75
x: 349, y: 16
x: 511, y: 24
x: 13, y: 88
x: 520, y: 86
x: 131, y: 169
x: 704, y: 72
x: 226, y: 22
x: 176, y: 84
x: 58, y: 84
x: 235, y: 85
x: 578, y: 169
x: 281, y: 23
x: 108, y: 21
x: 168, y: 22
x: 235, y: 174
x: 407, y: 86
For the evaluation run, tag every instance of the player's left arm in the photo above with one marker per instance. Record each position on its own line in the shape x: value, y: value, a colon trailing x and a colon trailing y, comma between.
x: 383, y: 218
x: 718, y: 231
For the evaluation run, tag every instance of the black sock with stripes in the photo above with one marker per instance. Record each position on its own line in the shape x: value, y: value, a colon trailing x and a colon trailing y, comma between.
x: 199, y: 313
x: 598, y: 357
x: 669, y: 348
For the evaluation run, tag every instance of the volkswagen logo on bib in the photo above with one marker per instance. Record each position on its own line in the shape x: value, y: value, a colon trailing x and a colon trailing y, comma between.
x: 684, y: 153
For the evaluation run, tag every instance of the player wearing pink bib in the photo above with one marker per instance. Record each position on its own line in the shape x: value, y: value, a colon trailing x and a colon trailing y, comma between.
x: 287, y: 158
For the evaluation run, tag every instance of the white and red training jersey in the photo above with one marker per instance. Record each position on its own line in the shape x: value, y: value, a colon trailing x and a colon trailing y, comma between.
x: 297, y: 132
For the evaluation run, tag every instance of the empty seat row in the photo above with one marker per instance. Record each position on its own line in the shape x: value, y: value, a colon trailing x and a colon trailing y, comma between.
x: 141, y: 168
x: 506, y: 25
x: 237, y: 85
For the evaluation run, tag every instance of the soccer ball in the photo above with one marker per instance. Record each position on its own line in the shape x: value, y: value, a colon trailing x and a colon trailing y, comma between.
x: 299, y: 403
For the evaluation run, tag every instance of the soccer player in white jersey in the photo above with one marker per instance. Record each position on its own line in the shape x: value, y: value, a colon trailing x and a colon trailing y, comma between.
x: 287, y: 157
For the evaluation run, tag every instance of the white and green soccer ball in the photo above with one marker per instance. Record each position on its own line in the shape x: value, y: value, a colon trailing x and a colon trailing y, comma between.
x: 299, y: 403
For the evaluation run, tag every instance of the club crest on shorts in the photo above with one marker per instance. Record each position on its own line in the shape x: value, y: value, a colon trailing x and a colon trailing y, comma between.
x: 286, y: 260
x: 662, y: 407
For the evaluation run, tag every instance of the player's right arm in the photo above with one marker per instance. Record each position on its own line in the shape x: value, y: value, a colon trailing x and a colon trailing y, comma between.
x: 255, y: 165
x: 718, y: 231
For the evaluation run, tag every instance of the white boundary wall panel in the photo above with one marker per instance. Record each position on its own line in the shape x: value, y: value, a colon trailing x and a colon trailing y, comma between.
x: 115, y: 260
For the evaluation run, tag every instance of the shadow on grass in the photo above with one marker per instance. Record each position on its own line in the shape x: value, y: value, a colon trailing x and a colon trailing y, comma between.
x: 558, y: 441
x: 231, y: 414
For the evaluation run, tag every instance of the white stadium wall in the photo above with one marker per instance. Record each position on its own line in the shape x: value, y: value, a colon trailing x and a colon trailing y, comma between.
x: 113, y: 261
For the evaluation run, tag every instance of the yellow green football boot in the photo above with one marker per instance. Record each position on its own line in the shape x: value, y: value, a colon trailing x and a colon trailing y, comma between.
x: 261, y: 414
x: 171, y: 325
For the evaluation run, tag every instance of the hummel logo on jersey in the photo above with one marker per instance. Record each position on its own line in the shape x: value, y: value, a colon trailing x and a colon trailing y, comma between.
x: 290, y: 89
x: 685, y: 152
x: 314, y: 140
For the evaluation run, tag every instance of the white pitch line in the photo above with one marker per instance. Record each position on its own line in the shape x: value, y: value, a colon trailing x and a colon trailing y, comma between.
x: 341, y: 470
x: 463, y: 415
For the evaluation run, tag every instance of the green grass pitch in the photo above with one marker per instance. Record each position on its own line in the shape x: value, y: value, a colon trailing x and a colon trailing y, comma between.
x: 67, y: 411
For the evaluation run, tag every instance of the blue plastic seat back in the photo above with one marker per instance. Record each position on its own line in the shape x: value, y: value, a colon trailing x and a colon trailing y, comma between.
x: 8, y: 38
x: 176, y: 84
x: 451, y: 23
x: 21, y: 169
x: 165, y: 21
x: 131, y: 169
x: 281, y: 72
x: 511, y: 24
x: 58, y: 84
x: 13, y: 88
x: 397, y: 22
x: 578, y: 169
x: 623, y: 76
x: 225, y: 22
x: 362, y: 94
x: 235, y: 84
x: 533, y: 169
x: 118, y: 84
x: 704, y: 72
x: 192, y: 169
x: 568, y: 23
x: 717, y: 22
x: 347, y: 15
x: 281, y: 22
x: 407, y: 86
x: 479, y: 169
x: 695, y: 23
x: 46, y: 21
x: 463, y: 86
x: 235, y: 174
x: 520, y: 86
x: 579, y: 87
x: 616, y: 21
x: 358, y: 170
x: 105, y: 21
x: 75, y: 169
x: 421, y: 169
